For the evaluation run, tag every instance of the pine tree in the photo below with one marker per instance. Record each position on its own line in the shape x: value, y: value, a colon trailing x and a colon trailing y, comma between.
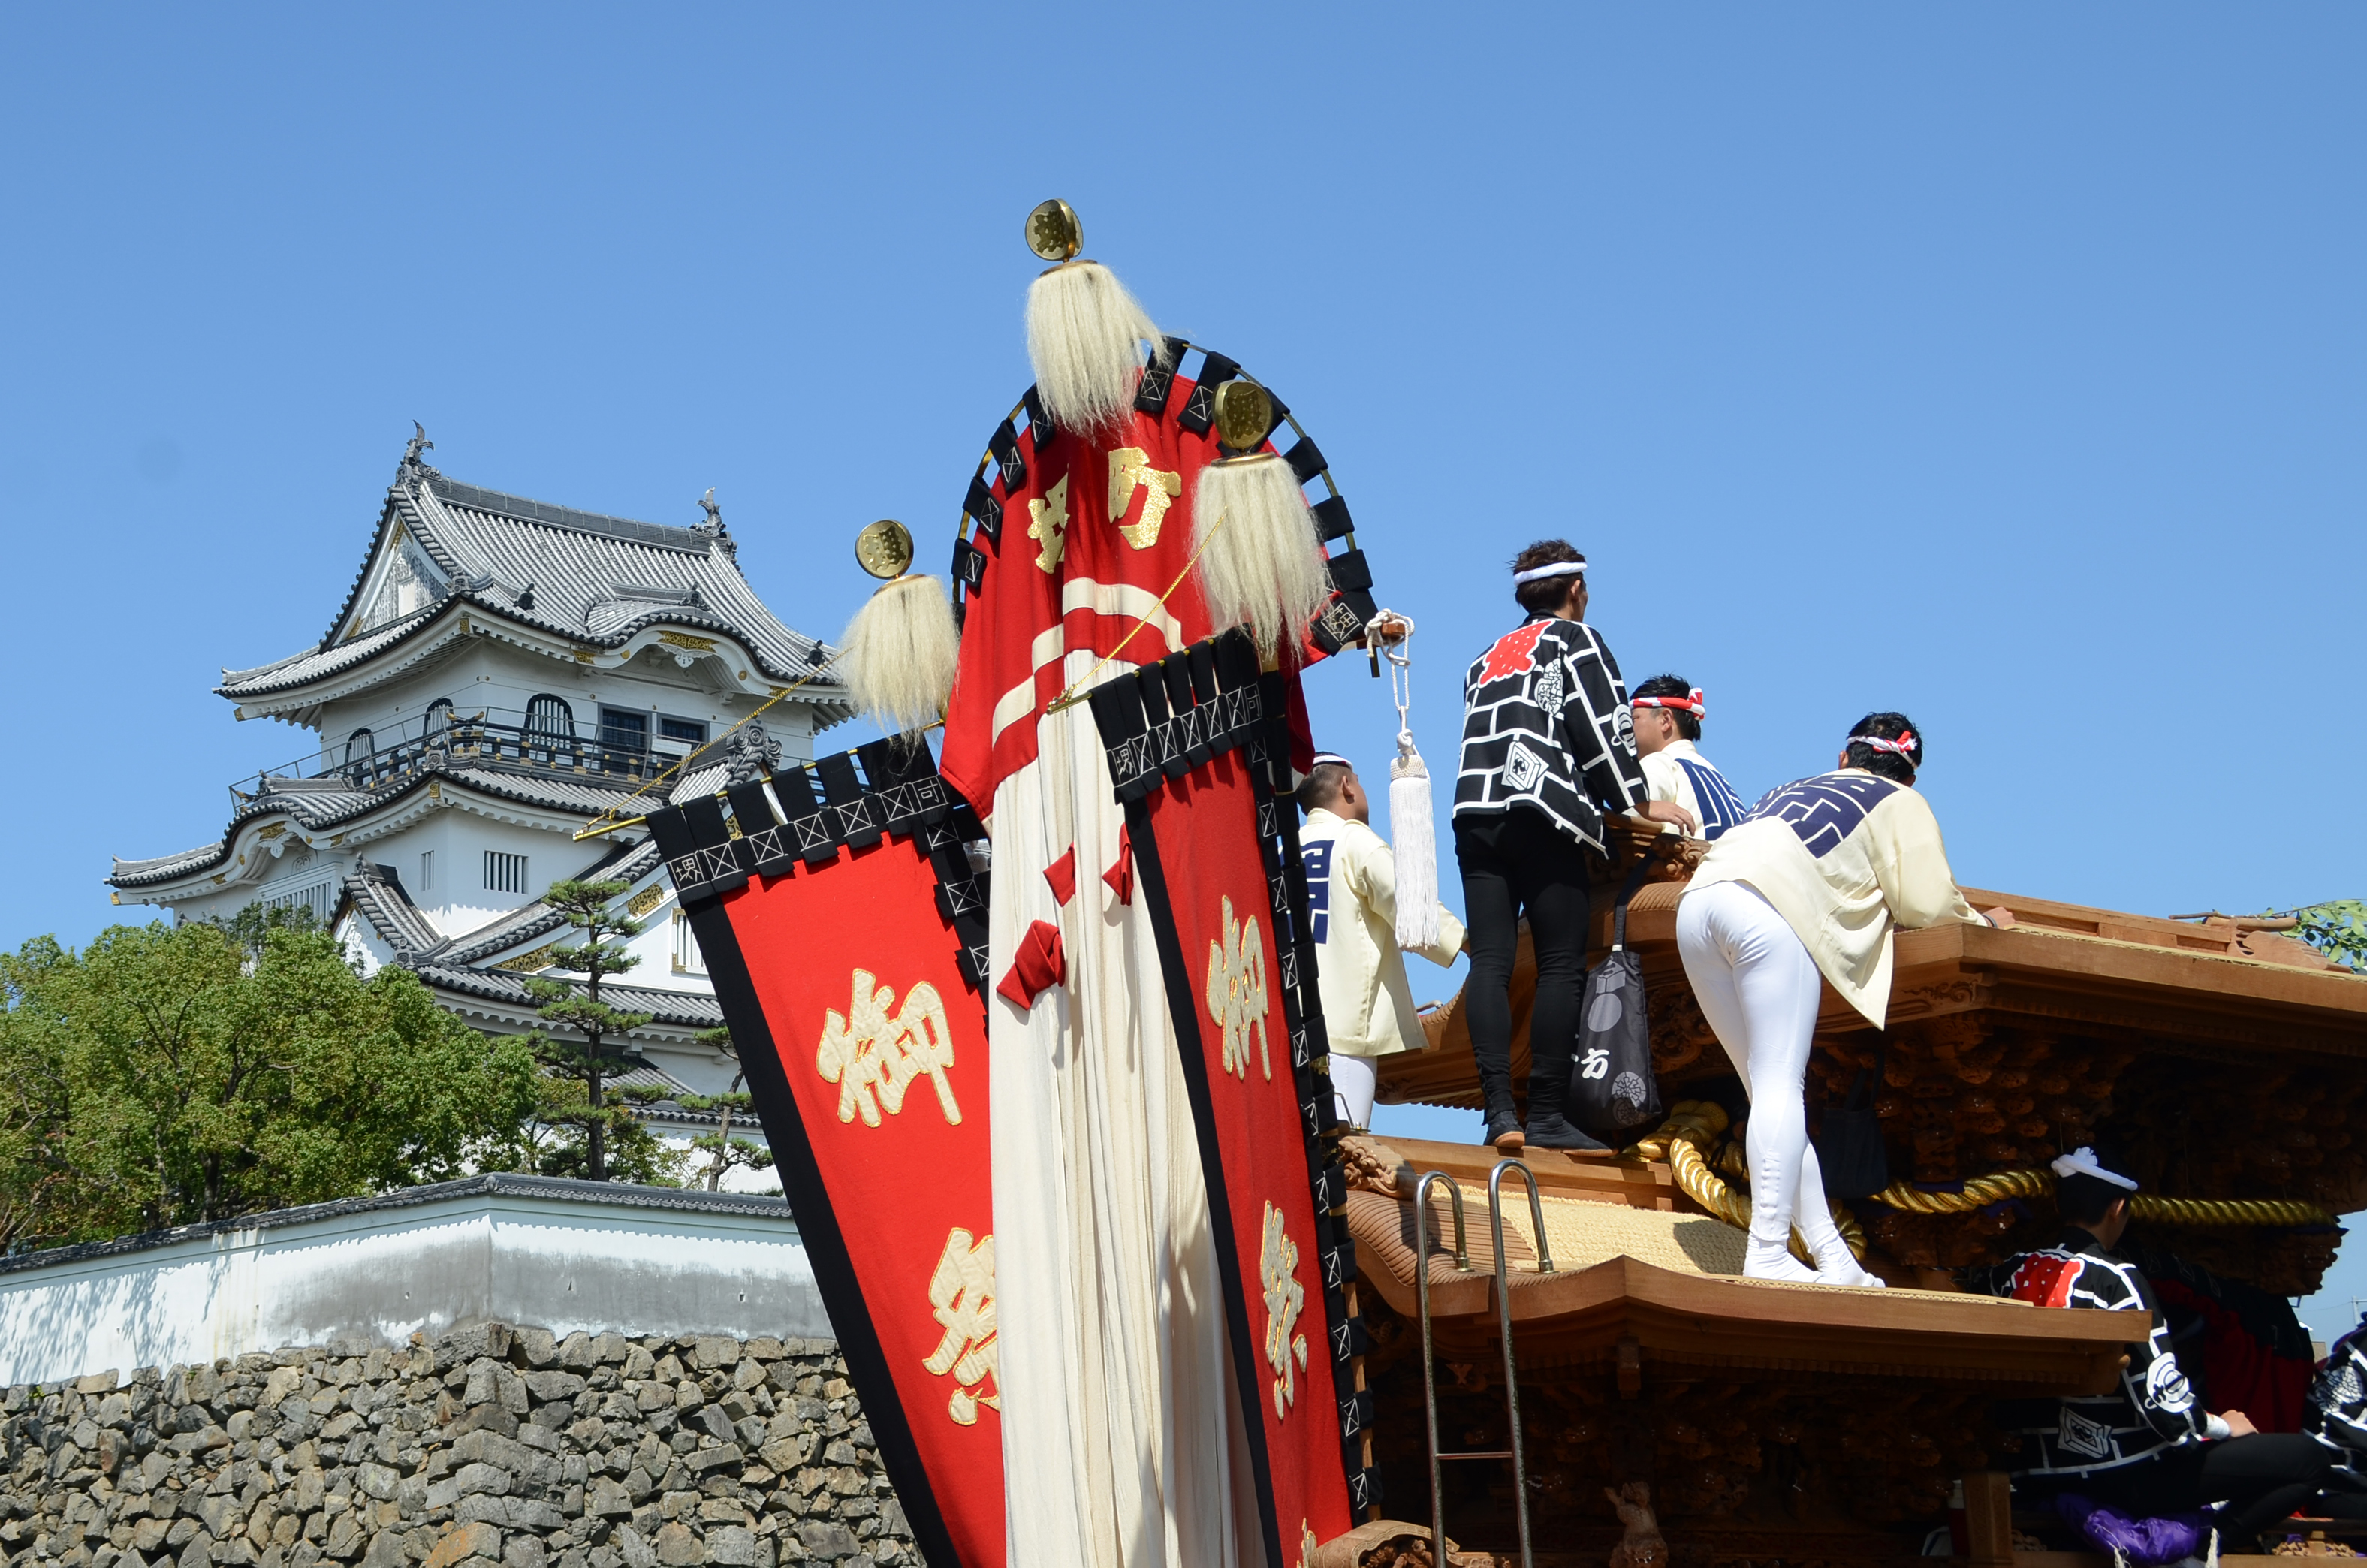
x: 726, y: 1153
x: 593, y: 1049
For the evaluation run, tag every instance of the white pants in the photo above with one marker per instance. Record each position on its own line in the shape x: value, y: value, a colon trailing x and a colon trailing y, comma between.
x: 1759, y: 989
x: 1354, y: 1081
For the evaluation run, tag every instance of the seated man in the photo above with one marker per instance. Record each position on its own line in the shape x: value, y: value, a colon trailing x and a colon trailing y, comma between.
x: 1667, y: 723
x: 2338, y: 1417
x: 1352, y: 901
x: 2146, y: 1447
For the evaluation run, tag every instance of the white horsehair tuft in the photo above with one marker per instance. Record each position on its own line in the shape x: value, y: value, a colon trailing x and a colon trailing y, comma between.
x: 899, y: 653
x: 1265, y: 566
x: 1086, y: 338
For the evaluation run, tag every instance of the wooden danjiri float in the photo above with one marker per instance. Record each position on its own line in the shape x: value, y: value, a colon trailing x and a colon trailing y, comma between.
x: 1805, y: 1424
x: 1029, y: 1011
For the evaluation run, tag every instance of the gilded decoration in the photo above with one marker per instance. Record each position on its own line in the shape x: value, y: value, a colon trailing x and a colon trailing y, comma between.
x: 527, y: 963
x: 641, y: 903
x: 873, y: 1055
x: 684, y: 639
x: 1049, y: 524
x: 1237, y: 994
x: 1285, y: 1298
x: 961, y: 1298
x: 1131, y: 469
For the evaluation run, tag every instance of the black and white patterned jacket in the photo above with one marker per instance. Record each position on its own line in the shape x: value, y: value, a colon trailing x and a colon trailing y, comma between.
x: 1546, y: 725
x: 2338, y: 1400
x: 2150, y: 1410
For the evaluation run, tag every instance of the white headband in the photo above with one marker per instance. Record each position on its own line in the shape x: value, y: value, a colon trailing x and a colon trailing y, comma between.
x: 1558, y: 569
x: 2082, y: 1162
x: 1335, y: 758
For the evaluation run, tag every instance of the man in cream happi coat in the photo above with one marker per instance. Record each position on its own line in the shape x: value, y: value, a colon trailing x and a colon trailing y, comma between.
x: 1352, y: 899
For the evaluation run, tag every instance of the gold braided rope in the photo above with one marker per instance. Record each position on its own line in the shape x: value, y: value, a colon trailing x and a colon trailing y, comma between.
x: 1981, y: 1191
x: 1680, y: 1142
x: 1693, y: 1126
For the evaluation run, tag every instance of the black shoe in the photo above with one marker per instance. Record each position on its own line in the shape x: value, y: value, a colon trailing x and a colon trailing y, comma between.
x: 1552, y: 1130
x: 1504, y: 1131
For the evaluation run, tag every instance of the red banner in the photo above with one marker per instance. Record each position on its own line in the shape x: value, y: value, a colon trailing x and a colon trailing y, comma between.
x: 1215, y: 865
x: 835, y: 926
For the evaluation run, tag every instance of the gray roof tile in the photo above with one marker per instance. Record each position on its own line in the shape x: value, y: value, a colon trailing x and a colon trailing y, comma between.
x: 592, y: 578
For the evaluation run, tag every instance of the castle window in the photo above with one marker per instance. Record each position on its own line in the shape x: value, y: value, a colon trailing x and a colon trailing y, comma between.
x: 685, y: 947
x: 550, y: 717
x: 427, y: 871
x: 504, y: 872
x: 439, y: 715
x: 361, y: 749
x: 624, y: 730
x: 690, y: 730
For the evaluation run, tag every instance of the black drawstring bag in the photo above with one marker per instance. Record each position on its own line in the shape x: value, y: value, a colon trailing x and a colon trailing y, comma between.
x: 1612, y: 1089
x: 1848, y: 1146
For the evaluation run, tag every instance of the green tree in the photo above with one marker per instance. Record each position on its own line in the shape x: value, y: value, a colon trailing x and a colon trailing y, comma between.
x: 593, y: 1048
x: 2338, y: 930
x: 724, y: 1152
x: 166, y: 1076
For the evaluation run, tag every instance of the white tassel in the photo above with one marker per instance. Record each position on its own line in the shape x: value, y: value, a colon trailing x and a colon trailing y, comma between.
x: 1086, y: 338
x: 1265, y: 566
x: 1415, y: 836
x: 899, y: 655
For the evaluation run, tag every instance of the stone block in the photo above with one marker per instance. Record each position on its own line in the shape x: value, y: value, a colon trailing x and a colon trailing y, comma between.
x: 549, y: 1385
x: 677, y: 1546
x: 345, y: 1538
x: 96, y: 1382
x: 523, y: 1552
x: 386, y: 1550
x: 481, y: 1479
x: 608, y: 1499
x: 472, y: 1538
x: 716, y: 1422
x: 709, y: 1460
x: 825, y: 1541
x: 535, y: 1346
x: 732, y: 1546
x: 377, y: 1481
x: 633, y: 1548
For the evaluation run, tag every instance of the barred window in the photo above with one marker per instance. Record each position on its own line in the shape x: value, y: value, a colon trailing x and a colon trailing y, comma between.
x: 685, y: 947
x: 319, y: 899
x: 504, y: 872
x: 427, y: 871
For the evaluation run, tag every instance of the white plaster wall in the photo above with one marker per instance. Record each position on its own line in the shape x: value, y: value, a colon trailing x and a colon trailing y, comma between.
x: 385, y: 1274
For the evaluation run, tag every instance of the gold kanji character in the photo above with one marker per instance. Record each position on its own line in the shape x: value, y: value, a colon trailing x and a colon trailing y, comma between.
x: 1237, y: 996
x: 1050, y: 524
x: 961, y: 1298
x: 1286, y: 1350
x: 873, y: 1058
x: 1129, y: 469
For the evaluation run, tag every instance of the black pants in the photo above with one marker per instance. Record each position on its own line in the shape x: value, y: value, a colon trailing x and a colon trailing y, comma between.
x: 2261, y: 1478
x: 1514, y: 862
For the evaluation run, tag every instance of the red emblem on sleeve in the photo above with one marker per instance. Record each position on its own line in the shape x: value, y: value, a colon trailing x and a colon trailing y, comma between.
x: 1514, y: 652
x: 2045, y: 1281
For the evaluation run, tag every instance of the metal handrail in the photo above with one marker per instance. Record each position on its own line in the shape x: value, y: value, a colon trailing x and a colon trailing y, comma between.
x: 1504, y: 1321
x: 1428, y: 1371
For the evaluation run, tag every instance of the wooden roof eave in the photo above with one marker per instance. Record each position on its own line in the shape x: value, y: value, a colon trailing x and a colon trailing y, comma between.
x: 1716, y: 1325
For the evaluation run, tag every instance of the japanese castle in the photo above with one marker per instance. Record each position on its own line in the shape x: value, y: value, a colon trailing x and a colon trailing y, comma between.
x: 503, y: 671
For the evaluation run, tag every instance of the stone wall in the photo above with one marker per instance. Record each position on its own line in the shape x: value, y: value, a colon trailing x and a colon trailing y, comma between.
x: 489, y: 1445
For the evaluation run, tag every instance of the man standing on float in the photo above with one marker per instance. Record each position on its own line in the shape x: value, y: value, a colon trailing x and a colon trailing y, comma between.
x: 1548, y: 746
x: 1805, y: 890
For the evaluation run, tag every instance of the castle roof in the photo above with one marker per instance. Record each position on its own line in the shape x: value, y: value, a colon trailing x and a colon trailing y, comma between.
x: 582, y: 579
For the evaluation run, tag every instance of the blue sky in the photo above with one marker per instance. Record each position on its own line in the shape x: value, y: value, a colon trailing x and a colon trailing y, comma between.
x: 1999, y: 364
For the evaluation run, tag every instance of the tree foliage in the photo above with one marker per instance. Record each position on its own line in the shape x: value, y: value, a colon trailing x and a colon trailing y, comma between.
x: 165, y: 1075
x: 587, y: 1041
x: 724, y: 1152
x: 2338, y: 930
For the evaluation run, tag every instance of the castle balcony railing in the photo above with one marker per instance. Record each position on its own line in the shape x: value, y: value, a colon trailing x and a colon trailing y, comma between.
x: 507, y: 739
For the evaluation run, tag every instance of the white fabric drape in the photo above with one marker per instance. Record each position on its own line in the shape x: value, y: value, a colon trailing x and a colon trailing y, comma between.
x: 1120, y: 1431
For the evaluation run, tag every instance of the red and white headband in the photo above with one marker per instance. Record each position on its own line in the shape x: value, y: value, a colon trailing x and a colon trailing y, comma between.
x: 1903, y: 746
x: 1692, y: 704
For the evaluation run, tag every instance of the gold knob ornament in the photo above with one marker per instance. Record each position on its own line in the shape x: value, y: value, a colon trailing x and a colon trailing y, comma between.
x: 883, y: 549
x: 1244, y: 413
x: 1053, y: 232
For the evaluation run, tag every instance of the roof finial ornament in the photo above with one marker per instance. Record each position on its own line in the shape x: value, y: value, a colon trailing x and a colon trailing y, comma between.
x: 714, y: 524
x: 414, y: 466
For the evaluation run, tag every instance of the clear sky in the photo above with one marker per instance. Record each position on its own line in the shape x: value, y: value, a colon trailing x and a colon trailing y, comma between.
x: 2000, y: 364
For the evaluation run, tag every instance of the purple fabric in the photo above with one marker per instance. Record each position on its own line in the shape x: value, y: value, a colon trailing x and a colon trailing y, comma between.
x: 2152, y: 1542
